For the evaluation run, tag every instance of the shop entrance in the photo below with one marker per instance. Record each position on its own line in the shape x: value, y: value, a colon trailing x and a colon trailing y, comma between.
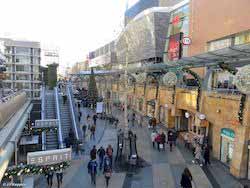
x: 183, y: 122
x: 227, y: 145
x: 162, y: 114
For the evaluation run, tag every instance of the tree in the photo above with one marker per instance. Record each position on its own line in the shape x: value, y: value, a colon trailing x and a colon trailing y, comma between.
x: 92, y: 89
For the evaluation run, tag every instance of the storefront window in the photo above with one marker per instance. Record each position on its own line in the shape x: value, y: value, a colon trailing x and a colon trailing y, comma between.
x: 219, y: 44
x: 242, y: 38
x: 227, y: 145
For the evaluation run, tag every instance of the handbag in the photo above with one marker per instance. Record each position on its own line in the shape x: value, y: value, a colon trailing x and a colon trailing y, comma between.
x: 107, y: 174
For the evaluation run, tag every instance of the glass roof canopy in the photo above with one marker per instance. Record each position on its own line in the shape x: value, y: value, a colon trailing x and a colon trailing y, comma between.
x: 236, y: 55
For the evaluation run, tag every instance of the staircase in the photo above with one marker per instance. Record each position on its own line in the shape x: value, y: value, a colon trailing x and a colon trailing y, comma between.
x: 50, y: 113
x: 66, y: 122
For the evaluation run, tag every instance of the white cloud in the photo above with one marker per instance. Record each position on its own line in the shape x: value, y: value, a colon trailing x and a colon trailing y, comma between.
x: 75, y: 26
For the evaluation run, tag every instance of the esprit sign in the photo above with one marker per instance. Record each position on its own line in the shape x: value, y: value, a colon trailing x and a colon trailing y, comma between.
x: 49, y: 157
x: 186, y: 41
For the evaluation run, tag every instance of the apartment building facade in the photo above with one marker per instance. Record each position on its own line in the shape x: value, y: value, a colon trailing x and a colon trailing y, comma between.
x: 23, y: 66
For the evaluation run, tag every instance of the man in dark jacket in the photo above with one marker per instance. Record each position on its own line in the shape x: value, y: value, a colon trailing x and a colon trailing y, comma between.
x: 186, y: 179
x: 93, y: 153
x: 101, y: 154
x: 94, y: 118
x: 207, y: 155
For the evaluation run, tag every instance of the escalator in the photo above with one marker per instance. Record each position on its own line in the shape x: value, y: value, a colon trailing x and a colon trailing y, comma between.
x: 51, y: 137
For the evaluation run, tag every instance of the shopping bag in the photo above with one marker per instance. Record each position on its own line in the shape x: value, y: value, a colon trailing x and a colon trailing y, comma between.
x: 161, y: 146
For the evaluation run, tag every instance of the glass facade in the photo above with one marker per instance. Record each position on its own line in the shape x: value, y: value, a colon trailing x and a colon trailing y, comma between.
x: 23, y: 68
x: 23, y: 59
x: 242, y: 38
x: 23, y: 51
x: 22, y: 77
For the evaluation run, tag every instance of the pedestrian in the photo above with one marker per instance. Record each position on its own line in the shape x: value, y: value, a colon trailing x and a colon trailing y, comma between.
x: 64, y: 99
x: 198, y: 154
x: 50, y: 178
x: 80, y: 113
x: 133, y: 119
x: 107, y: 169
x: 158, y: 141
x: 207, y: 155
x: 163, y: 140
x: 101, y: 154
x: 94, y: 118
x: 170, y: 139
x: 59, y: 177
x: 154, y: 123
x: 88, y: 121
x: 92, y: 170
x: 186, y: 179
x: 92, y: 130
x: 79, y: 105
x: 109, y: 152
x: 153, y: 136
x: 84, y: 127
x: 79, y: 118
x: 93, y: 153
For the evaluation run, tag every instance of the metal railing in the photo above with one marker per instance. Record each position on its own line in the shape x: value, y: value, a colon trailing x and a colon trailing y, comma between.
x: 188, y: 87
x: 43, y: 103
x: 226, y: 91
x: 58, y: 116
x: 72, y: 110
x: 43, y: 117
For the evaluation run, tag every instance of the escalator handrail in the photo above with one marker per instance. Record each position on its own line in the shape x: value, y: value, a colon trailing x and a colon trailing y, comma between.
x: 43, y: 103
x: 58, y: 115
x: 72, y: 112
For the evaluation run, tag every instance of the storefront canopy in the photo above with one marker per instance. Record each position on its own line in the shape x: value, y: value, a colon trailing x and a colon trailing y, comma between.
x: 238, y: 55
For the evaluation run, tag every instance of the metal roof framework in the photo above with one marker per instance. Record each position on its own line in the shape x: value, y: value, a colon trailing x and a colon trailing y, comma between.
x: 237, y: 56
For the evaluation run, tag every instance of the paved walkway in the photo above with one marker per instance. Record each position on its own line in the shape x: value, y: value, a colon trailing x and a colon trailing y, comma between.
x: 163, y: 169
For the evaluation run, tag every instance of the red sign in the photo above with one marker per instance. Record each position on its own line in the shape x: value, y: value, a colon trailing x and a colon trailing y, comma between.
x: 176, y: 20
x: 174, y: 47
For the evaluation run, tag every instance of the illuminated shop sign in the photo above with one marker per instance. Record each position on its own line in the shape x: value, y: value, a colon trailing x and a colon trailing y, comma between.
x: 174, y: 47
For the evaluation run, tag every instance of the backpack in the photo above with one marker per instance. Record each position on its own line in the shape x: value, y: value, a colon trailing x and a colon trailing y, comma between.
x: 92, y: 166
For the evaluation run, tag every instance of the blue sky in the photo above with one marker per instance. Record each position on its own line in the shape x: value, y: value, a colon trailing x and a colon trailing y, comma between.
x: 74, y: 26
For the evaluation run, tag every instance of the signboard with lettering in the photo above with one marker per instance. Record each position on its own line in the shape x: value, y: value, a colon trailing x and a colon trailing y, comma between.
x: 49, y: 157
x: 228, y: 133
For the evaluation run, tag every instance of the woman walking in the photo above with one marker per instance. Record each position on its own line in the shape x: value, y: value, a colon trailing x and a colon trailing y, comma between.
x: 186, y: 179
x: 107, y: 170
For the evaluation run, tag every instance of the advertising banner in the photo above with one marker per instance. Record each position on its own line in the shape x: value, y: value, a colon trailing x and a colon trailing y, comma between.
x: 174, y: 47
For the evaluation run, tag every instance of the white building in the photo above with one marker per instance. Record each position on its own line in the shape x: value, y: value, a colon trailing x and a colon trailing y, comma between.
x: 23, y: 66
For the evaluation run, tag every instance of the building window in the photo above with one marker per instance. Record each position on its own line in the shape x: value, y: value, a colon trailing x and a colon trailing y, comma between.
x: 219, y: 44
x: 36, y: 52
x: 22, y: 86
x: 23, y: 60
x: 36, y: 60
x: 242, y: 38
x: 22, y: 68
x: 22, y: 77
x: 35, y: 69
x: 23, y: 51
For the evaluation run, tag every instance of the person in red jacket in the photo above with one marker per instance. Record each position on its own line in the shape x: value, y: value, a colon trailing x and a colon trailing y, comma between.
x: 158, y: 141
